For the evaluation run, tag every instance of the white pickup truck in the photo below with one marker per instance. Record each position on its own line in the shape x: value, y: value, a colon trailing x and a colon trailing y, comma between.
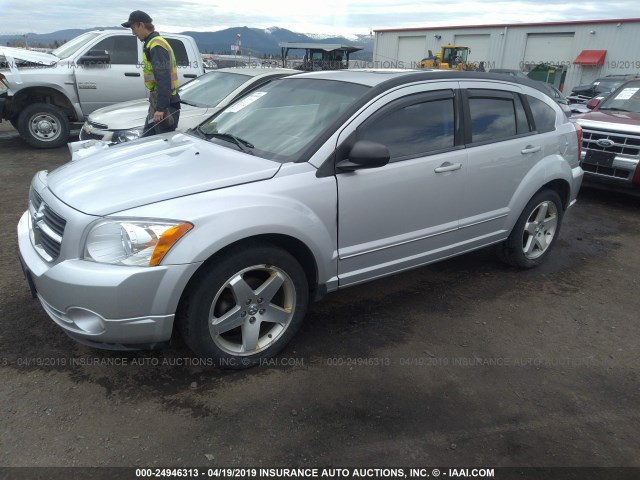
x: 41, y: 94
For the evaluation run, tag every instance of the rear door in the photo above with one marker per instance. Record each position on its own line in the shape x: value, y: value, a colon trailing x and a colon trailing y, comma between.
x: 502, y: 150
x: 189, y: 65
x: 405, y: 213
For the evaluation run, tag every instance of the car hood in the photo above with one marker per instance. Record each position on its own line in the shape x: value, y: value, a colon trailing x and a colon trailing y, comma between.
x: 21, y: 54
x: 132, y: 114
x: 151, y: 170
x: 622, y: 121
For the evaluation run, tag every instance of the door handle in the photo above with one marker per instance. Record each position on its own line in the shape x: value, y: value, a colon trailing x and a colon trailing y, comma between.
x: 131, y: 74
x: 530, y: 149
x: 448, y: 167
x: 190, y: 75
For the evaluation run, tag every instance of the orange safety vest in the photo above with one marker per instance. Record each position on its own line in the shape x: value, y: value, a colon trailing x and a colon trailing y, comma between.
x: 149, y: 78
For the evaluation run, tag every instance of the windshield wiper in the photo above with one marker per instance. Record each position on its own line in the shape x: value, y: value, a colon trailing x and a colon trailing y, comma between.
x: 242, y: 144
x: 615, y: 109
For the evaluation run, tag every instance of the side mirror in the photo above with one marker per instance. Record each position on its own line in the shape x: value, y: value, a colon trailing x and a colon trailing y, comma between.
x: 365, y: 154
x: 95, y: 58
x: 594, y: 102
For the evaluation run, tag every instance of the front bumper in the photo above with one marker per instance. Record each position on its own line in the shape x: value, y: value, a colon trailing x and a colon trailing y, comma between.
x: 106, y: 306
x: 622, y: 170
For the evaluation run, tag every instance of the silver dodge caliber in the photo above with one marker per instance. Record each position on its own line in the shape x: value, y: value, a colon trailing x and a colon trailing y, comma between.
x: 310, y: 184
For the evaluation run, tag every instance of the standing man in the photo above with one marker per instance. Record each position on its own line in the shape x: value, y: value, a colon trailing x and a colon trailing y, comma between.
x: 160, y: 75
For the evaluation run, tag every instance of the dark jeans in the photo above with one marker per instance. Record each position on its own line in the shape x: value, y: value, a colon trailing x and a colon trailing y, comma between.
x: 166, y: 125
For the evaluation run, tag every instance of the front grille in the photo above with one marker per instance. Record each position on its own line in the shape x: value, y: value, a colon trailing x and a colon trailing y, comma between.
x: 90, y: 136
x: 623, y: 143
x: 54, y: 221
x: 624, y: 149
x: 49, y: 245
x: 34, y: 199
x: 47, y: 227
x: 94, y: 132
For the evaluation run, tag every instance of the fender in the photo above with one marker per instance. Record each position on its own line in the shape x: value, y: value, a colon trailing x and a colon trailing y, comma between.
x: 226, y: 216
x: 550, y: 168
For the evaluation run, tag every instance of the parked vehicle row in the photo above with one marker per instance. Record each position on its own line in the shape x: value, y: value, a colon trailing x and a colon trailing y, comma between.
x: 44, y: 93
x: 199, y: 98
x: 309, y: 184
x: 599, y: 87
x: 611, y: 148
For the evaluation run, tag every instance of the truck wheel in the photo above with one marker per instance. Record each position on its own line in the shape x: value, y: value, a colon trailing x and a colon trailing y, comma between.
x: 535, y: 232
x: 244, y: 308
x: 43, y: 125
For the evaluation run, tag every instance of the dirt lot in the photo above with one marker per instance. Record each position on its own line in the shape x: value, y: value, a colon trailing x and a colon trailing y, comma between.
x: 467, y: 362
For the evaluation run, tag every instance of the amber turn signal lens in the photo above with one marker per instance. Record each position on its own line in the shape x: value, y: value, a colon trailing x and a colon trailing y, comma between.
x: 167, y: 240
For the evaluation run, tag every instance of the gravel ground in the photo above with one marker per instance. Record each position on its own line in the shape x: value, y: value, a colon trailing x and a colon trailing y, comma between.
x: 467, y: 362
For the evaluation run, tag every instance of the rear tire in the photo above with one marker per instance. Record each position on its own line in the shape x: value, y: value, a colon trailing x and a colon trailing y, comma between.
x: 245, y: 307
x: 43, y: 125
x: 535, y: 231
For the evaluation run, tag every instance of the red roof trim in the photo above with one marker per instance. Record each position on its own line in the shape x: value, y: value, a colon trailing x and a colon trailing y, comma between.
x: 590, y: 57
x: 506, y: 25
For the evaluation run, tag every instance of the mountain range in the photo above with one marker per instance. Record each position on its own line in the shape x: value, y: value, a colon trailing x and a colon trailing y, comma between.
x: 256, y: 41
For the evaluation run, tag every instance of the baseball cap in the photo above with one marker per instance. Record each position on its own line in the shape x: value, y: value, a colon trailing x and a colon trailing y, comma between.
x: 136, y: 17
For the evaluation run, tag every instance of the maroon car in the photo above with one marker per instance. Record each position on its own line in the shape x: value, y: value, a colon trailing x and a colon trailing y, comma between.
x: 611, y: 141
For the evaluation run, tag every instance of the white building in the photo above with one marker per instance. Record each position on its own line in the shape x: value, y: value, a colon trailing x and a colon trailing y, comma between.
x: 586, y: 49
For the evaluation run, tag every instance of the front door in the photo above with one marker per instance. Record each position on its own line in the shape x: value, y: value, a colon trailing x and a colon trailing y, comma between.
x: 120, y: 80
x: 405, y: 213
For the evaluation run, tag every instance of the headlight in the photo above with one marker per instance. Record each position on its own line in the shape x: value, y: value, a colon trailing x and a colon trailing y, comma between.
x: 120, y: 136
x: 134, y: 243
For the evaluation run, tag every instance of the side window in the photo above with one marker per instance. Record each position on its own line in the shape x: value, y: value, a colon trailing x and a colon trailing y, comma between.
x: 123, y: 50
x: 414, y: 128
x: 493, y: 116
x: 182, y: 58
x: 544, y: 116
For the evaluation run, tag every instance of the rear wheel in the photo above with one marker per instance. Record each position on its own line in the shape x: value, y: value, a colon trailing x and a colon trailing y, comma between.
x: 246, y: 307
x: 43, y: 125
x: 535, y: 232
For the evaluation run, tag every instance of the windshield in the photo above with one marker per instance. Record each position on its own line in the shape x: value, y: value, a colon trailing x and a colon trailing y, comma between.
x: 72, y: 46
x: 604, y: 86
x: 284, y: 117
x: 627, y: 99
x: 211, y: 88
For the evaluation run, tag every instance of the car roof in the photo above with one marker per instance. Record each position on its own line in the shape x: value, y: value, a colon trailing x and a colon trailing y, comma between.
x: 256, y: 71
x: 386, y: 78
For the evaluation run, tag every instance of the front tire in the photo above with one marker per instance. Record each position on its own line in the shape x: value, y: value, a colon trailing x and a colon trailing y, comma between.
x: 245, y: 307
x: 43, y: 125
x: 535, y: 231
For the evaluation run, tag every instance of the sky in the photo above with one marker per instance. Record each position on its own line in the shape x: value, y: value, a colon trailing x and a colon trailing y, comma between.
x: 342, y: 17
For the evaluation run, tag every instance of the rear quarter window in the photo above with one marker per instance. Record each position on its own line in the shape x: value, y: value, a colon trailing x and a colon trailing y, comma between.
x: 544, y: 116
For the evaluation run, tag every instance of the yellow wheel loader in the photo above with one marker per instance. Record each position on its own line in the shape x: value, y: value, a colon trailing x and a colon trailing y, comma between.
x: 451, y: 57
